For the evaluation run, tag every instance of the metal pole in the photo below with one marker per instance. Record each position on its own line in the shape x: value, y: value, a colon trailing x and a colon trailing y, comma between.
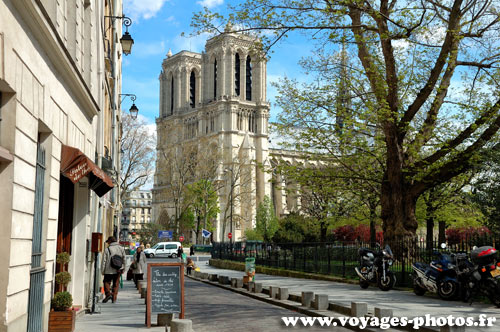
x: 95, y: 283
x: 231, y: 217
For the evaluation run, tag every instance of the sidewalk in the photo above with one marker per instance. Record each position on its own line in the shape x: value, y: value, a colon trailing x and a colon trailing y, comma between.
x: 126, y: 315
x: 403, y: 303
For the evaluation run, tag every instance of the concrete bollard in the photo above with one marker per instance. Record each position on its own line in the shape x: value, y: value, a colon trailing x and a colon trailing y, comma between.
x: 165, y: 319
x: 144, y: 293
x: 236, y: 282
x: 282, y: 293
x: 250, y: 286
x: 383, y: 312
x: 213, y: 277
x: 273, y: 292
x: 224, y: 280
x: 447, y: 328
x: 307, y: 298
x: 181, y: 325
x: 359, y: 309
x: 321, y: 302
x: 257, y: 287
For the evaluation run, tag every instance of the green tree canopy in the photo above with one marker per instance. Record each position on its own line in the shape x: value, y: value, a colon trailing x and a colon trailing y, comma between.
x: 266, y: 221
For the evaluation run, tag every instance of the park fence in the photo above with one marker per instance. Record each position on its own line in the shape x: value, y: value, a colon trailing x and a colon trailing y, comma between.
x: 340, y: 258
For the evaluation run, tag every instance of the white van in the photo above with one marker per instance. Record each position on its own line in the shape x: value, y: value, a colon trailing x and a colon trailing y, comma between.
x: 168, y: 249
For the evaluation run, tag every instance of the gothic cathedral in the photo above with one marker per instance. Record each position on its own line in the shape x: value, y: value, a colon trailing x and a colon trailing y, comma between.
x: 213, y: 105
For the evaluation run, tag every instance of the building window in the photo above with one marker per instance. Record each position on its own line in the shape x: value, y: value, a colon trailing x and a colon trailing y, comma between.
x: 215, y: 79
x: 172, y: 96
x: 237, y: 74
x: 249, y: 79
x: 192, y: 89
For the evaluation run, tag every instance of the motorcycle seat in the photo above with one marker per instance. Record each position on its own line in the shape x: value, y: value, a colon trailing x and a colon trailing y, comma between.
x: 364, y: 251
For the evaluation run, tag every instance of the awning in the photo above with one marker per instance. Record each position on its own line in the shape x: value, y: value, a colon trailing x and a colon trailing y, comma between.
x: 75, y: 165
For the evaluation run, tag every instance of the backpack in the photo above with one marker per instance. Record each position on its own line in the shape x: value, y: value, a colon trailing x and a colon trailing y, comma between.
x: 116, y: 261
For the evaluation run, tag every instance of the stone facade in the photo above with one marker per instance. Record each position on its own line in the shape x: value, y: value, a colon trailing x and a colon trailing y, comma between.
x: 136, y: 213
x: 60, y: 76
x: 216, y: 101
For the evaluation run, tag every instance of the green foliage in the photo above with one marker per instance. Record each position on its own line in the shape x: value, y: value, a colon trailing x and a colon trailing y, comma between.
x: 149, y: 233
x: 252, y: 234
x: 63, y: 258
x: 266, y: 221
x: 204, y: 203
x: 63, y: 278
x: 62, y: 301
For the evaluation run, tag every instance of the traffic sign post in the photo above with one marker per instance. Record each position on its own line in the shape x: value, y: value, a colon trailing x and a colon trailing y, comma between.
x: 181, y: 238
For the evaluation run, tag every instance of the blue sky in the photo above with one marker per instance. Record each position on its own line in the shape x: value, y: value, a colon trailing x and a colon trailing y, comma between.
x: 157, y: 27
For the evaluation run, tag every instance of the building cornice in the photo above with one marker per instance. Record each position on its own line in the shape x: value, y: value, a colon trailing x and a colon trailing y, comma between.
x: 37, y: 18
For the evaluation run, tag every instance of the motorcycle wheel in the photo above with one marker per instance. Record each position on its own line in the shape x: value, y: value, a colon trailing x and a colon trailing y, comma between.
x: 494, y: 292
x: 418, y: 290
x: 363, y: 283
x: 447, y: 290
x: 387, y: 283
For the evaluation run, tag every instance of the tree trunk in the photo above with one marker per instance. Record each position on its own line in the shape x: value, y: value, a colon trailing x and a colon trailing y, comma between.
x: 442, y: 232
x: 373, y: 230
x: 323, y: 230
x: 397, y: 200
x: 430, y: 233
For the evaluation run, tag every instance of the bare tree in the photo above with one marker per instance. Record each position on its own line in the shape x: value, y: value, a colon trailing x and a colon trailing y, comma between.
x: 137, y: 161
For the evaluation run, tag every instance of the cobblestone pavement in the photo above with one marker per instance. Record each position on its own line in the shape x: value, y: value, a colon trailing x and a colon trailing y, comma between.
x: 213, y: 309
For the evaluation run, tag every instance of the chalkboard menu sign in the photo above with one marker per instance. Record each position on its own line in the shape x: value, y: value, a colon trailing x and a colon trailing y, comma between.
x: 165, y: 289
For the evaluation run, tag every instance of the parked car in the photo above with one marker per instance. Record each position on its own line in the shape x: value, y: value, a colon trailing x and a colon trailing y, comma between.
x: 165, y: 249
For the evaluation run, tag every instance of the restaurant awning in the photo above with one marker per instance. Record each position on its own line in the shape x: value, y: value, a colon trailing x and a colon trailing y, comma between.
x: 75, y: 165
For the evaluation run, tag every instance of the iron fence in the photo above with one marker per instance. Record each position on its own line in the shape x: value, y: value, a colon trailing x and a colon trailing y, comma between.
x: 340, y: 258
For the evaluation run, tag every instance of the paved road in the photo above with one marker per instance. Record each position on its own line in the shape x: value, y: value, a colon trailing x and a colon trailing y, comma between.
x: 403, y: 303
x: 213, y: 309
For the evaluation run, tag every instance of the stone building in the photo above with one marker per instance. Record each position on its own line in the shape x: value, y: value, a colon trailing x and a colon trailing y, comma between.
x: 136, y: 213
x: 60, y: 79
x: 213, y: 105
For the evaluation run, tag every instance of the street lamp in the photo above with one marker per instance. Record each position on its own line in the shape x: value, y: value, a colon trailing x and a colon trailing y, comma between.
x: 126, y: 39
x: 133, y: 109
x: 231, y: 200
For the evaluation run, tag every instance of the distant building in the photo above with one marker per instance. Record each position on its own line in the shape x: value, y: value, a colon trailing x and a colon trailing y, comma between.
x: 135, y: 214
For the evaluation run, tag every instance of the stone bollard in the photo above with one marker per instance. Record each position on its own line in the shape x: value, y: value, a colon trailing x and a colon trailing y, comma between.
x: 141, y: 284
x: 165, y: 319
x: 181, y: 325
x: 448, y: 328
x: 273, y: 292
x: 224, y: 280
x: 257, y: 287
x: 383, y: 312
x: 359, y: 309
x: 250, y: 286
x: 195, y: 274
x: 321, y: 302
x: 236, y: 282
x: 213, y: 277
x: 282, y: 293
x: 307, y: 298
x: 144, y: 293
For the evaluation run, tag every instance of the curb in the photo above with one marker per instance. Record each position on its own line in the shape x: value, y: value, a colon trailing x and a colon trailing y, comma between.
x: 290, y: 305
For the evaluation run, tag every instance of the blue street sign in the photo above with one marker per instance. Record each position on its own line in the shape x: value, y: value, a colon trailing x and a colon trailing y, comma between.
x: 165, y: 234
x: 205, y: 233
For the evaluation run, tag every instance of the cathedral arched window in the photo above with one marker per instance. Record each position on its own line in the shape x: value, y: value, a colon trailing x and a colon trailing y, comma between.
x: 215, y: 79
x: 192, y: 90
x: 249, y: 79
x: 237, y: 74
x: 172, y: 96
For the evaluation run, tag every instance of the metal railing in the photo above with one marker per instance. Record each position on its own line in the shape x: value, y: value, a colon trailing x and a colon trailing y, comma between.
x: 340, y: 258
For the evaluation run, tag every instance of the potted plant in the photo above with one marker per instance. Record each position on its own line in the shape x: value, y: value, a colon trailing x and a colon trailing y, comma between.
x: 62, y: 315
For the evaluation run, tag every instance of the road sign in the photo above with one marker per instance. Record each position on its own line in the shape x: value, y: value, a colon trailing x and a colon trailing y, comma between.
x: 229, y: 235
x: 181, y: 238
x: 205, y: 233
x: 165, y: 234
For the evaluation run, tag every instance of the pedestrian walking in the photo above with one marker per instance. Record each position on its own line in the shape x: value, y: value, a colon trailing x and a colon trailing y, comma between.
x: 191, y: 250
x: 180, y: 251
x: 112, y: 266
x: 138, y: 264
x: 189, y: 266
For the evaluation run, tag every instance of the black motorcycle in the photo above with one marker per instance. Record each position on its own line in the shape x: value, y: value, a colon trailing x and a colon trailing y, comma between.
x: 481, y: 276
x: 375, y: 268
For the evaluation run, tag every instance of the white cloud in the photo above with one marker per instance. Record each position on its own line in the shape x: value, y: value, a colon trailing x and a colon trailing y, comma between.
x: 210, y: 3
x: 142, y: 8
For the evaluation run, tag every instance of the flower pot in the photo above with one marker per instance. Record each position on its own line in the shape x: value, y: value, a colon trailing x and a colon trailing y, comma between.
x: 62, y: 321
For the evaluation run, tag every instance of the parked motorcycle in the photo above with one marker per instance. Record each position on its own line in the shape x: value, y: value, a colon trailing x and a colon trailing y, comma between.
x: 375, y: 268
x: 438, y: 277
x: 483, y: 275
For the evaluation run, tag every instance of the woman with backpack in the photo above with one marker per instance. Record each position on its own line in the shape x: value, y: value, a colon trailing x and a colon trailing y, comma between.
x: 112, y: 266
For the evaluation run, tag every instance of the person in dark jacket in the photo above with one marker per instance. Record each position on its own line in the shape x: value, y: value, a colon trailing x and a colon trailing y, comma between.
x: 112, y: 274
x: 139, y: 264
x: 180, y: 251
x: 191, y: 250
